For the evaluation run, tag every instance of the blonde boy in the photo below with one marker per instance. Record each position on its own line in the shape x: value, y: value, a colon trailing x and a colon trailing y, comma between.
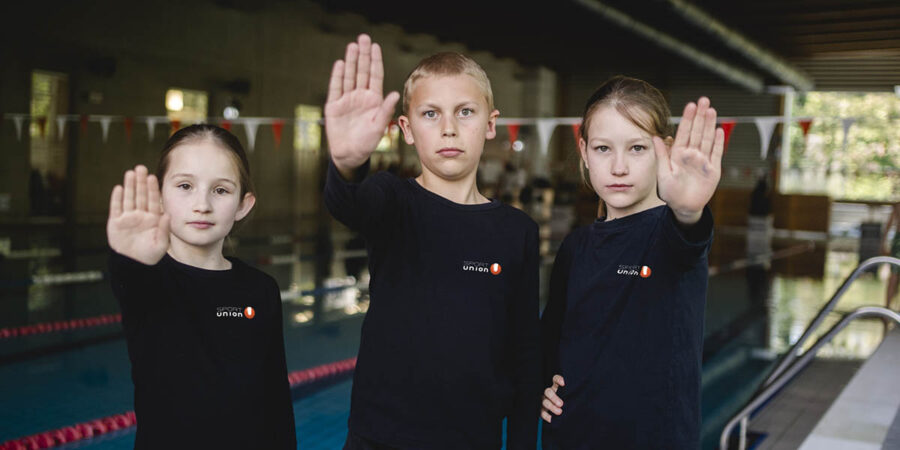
x: 454, y: 275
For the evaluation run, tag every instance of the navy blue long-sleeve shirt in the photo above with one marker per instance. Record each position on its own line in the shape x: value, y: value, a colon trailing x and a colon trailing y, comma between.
x: 207, y: 355
x: 624, y: 327
x: 450, y: 344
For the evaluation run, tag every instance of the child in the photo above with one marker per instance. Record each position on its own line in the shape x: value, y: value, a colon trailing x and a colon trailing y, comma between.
x: 454, y: 296
x: 623, y: 329
x: 204, y: 331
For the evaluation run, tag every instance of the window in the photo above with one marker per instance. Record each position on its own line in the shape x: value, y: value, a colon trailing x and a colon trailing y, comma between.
x: 186, y: 106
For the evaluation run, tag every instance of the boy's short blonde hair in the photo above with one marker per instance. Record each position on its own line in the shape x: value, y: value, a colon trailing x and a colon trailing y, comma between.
x: 448, y: 63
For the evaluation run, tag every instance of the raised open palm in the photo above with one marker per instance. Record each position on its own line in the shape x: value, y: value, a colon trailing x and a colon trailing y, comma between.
x: 356, y: 113
x: 689, y: 171
x: 137, y: 227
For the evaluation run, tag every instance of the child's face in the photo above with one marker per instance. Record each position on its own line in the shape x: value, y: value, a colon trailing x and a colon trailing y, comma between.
x: 621, y: 162
x: 448, y: 123
x: 202, y: 195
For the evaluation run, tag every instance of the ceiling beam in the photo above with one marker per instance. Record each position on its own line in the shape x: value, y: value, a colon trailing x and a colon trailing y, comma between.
x: 730, y: 72
x: 763, y: 58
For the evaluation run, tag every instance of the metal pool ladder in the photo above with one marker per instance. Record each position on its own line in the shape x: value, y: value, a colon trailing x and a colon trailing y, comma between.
x: 793, y: 361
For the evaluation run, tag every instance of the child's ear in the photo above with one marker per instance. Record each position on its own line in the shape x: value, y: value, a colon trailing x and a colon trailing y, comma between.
x: 245, y: 207
x: 492, y: 125
x: 403, y: 121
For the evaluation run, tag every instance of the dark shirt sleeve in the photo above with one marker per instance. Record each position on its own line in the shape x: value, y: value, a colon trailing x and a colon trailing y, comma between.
x: 134, y: 284
x: 523, y: 419
x: 279, y: 405
x: 555, y: 311
x: 363, y: 204
x: 688, y: 244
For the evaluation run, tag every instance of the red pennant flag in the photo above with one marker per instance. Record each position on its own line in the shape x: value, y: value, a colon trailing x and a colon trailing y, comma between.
x: 176, y: 125
x: 576, y: 131
x: 513, y: 133
x: 277, y: 127
x: 727, y: 126
x: 83, y: 121
x: 805, y: 124
x: 42, y: 125
x: 129, y: 123
x: 226, y: 125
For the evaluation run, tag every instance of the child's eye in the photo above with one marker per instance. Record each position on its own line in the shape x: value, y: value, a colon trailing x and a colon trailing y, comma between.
x: 602, y: 148
x: 184, y: 186
x: 466, y: 112
x: 221, y: 191
x: 430, y: 114
x: 639, y: 148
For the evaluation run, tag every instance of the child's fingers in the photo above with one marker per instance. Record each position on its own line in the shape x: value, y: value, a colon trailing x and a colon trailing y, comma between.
x: 140, y: 188
x: 558, y: 379
x: 699, y: 122
x: 663, y: 160
x: 334, y: 84
x: 115, y: 202
x: 549, y: 406
x: 684, y: 127
x: 386, y: 111
x: 550, y: 394
x: 365, y: 57
x: 128, y: 192
x: 546, y: 416
x: 718, y: 149
x: 709, y: 132
x: 350, y: 61
x: 153, y: 194
x: 376, y: 74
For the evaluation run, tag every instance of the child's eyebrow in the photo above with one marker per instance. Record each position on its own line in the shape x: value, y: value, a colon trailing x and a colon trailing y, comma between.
x: 187, y: 175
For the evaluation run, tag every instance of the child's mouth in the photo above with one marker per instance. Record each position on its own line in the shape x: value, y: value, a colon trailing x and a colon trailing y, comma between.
x: 618, y: 187
x: 450, y: 152
x: 201, y: 225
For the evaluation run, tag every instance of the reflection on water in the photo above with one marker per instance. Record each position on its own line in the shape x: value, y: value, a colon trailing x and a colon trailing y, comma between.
x: 795, y: 301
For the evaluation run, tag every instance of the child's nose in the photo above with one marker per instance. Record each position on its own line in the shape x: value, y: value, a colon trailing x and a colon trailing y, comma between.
x: 448, y: 127
x: 202, y: 203
x: 619, y: 165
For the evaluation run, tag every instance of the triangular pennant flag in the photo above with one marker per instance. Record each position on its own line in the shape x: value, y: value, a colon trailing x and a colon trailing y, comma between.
x: 151, y: 128
x: 176, y: 125
x: 545, y: 129
x: 250, y: 126
x: 765, y: 126
x: 60, y: 127
x: 278, y: 126
x: 727, y: 126
x: 226, y: 125
x: 847, y: 123
x: 18, y: 121
x: 576, y: 131
x: 129, y: 124
x: 42, y: 125
x: 513, y: 133
x: 104, y: 127
x: 83, y: 121
x: 805, y: 124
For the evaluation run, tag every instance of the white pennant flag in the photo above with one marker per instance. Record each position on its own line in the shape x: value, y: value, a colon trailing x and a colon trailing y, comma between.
x: 60, y: 127
x: 104, y: 126
x: 765, y: 126
x: 250, y: 126
x: 151, y: 127
x: 18, y: 120
x: 545, y: 129
x: 847, y: 123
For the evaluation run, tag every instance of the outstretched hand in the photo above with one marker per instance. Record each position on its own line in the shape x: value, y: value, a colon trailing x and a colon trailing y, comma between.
x: 137, y: 226
x: 689, y: 171
x: 356, y: 113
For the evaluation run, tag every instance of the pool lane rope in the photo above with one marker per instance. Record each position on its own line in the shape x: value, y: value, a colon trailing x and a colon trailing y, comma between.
x: 105, y: 425
x: 59, y: 326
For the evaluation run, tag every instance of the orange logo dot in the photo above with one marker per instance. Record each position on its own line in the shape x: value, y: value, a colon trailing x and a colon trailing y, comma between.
x: 495, y: 269
x: 249, y: 312
x: 645, y: 272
